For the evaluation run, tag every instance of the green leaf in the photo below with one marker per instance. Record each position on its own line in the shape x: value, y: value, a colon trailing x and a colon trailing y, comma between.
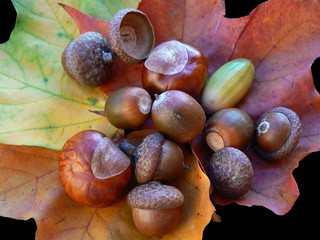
x: 39, y: 104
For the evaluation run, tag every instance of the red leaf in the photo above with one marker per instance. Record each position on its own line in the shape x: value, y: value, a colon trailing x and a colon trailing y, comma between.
x: 87, y: 23
x: 282, y: 38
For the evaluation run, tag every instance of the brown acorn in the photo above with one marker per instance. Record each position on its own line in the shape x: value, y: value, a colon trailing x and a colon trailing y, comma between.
x: 92, y: 169
x: 175, y: 65
x: 277, y: 133
x: 230, y: 127
x: 128, y: 107
x: 156, y: 208
x: 88, y: 59
x: 230, y: 172
x: 131, y: 35
x: 158, y: 159
x: 178, y: 115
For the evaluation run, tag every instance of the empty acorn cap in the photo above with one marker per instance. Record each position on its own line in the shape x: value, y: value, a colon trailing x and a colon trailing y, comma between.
x: 154, y: 195
x: 131, y: 35
x: 148, y: 157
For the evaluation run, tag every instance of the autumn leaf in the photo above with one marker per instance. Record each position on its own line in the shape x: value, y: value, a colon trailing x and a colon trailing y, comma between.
x: 40, y: 105
x: 30, y: 189
x: 280, y: 37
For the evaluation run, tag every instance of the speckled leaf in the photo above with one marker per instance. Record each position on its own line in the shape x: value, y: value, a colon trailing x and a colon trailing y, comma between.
x: 39, y: 104
x: 30, y: 189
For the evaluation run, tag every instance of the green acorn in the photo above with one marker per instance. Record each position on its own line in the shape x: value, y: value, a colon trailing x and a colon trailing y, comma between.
x: 228, y: 85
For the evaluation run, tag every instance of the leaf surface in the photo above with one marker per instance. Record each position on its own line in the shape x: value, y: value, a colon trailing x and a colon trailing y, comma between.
x: 30, y: 189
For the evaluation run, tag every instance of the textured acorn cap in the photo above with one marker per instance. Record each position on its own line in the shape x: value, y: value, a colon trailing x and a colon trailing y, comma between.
x: 131, y: 35
x: 230, y: 172
x: 148, y: 157
x: 88, y: 59
x: 154, y: 195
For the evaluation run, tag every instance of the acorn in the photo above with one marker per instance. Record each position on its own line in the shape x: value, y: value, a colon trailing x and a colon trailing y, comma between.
x: 88, y: 59
x: 175, y: 65
x: 93, y: 171
x: 158, y: 159
x: 231, y: 127
x: 177, y: 115
x: 227, y: 85
x: 128, y: 107
x: 131, y: 35
x: 156, y: 208
x: 230, y: 172
x: 277, y: 133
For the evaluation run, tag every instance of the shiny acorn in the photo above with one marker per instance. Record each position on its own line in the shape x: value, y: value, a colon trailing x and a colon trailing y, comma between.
x: 175, y: 65
x: 177, y: 115
x: 128, y: 107
x: 232, y: 127
x: 227, y: 85
x: 277, y: 133
x: 93, y: 171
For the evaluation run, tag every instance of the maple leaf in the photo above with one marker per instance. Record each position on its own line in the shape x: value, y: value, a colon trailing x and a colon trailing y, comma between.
x: 30, y: 189
x: 280, y: 37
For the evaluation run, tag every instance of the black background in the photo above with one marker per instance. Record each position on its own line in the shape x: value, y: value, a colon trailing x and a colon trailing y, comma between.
x: 302, y: 218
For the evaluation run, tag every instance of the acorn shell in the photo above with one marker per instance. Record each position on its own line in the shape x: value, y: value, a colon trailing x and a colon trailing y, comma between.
x: 131, y: 35
x: 128, y: 107
x: 77, y: 178
x: 175, y: 65
x: 88, y: 59
x: 154, y: 195
x: 231, y: 127
x: 158, y: 159
x: 178, y: 115
x: 230, y: 172
x: 277, y: 133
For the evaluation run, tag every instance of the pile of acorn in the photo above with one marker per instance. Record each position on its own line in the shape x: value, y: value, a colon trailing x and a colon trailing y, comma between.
x: 181, y: 102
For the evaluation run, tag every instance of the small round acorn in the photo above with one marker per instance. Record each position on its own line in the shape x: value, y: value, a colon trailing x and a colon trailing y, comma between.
x: 175, y: 65
x: 178, y: 115
x: 277, y: 133
x: 128, y: 107
x: 131, y: 35
x: 230, y: 172
x: 156, y: 208
x: 88, y: 59
x: 232, y: 127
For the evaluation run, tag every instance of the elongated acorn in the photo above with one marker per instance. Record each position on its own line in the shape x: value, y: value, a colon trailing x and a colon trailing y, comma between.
x: 228, y: 85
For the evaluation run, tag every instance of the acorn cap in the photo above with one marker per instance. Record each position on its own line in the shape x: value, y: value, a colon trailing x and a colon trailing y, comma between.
x: 148, y: 157
x: 131, y: 35
x: 154, y: 195
x: 88, y: 59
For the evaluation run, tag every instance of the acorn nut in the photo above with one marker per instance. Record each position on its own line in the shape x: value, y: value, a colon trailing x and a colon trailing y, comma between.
x: 227, y: 85
x: 230, y: 172
x: 92, y: 170
x: 277, y: 133
x: 175, y: 65
x: 156, y: 208
x: 177, y: 115
x: 232, y: 127
x: 158, y: 159
x: 131, y: 35
x: 88, y: 59
x: 128, y: 107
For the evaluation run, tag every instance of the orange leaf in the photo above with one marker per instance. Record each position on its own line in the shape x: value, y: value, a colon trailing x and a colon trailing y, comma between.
x: 30, y: 189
